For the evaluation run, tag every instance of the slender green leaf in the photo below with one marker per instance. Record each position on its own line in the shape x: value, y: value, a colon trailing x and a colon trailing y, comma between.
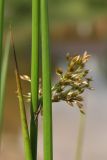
x: 46, y: 75
x: 3, y: 77
x: 34, y: 74
x: 80, y: 137
x: 25, y: 132
x: 27, y: 145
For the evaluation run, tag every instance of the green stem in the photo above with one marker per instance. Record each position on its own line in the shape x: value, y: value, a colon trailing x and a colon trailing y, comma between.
x: 34, y: 74
x: 80, y: 137
x: 46, y: 75
x: 1, y: 33
x: 3, y: 78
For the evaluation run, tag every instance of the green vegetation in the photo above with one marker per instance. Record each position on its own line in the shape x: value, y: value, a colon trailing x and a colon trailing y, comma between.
x: 3, y: 78
x: 25, y: 132
x: 69, y: 88
x: 60, y: 10
x: 72, y: 83
x: 1, y: 32
x: 46, y: 76
x: 26, y: 139
x: 34, y: 74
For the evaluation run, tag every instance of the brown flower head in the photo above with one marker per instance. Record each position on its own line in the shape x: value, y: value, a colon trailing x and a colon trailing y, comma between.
x: 71, y: 84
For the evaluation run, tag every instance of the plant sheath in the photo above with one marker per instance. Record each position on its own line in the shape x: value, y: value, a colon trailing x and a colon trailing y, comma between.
x: 46, y: 76
x: 34, y: 75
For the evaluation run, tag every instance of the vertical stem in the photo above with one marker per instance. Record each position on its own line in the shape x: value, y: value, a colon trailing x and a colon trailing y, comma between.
x: 1, y: 32
x: 80, y: 137
x: 46, y: 75
x: 3, y: 78
x: 34, y: 74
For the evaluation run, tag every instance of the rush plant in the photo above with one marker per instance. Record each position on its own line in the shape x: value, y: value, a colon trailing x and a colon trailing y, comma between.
x: 69, y: 88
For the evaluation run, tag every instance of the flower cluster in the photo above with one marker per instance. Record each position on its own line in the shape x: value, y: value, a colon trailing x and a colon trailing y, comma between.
x: 71, y: 84
x: 73, y: 81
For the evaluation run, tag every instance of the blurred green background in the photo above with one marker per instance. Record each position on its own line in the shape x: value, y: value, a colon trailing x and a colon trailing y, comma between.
x: 75, y: 26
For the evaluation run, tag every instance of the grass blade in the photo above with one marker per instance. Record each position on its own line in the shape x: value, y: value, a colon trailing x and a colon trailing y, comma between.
x: 34, y: 74
x: 46, y: 75
x: 25, y: 132
x: 80, y: 137
x: 3, y: 78
x: 1, y: 31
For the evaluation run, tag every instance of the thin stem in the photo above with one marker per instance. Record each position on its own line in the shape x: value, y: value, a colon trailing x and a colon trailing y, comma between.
x: 3, y: 78
x: 46, y: 75
x: 34, y: 74
x: 1, y: 33
x: 80, y: 137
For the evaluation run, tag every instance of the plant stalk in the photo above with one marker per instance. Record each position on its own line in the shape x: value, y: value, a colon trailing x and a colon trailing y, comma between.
x: 1, y: 33
x: 34, y: 74
x: 3, y: 78
x: 46, y: 76
x: 80, y: 137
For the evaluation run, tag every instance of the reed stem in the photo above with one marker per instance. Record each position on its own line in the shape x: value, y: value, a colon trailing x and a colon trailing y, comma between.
x: 34, y: 74
x: 46, y: 76
x: 1, y: 33
x: 3, y: 77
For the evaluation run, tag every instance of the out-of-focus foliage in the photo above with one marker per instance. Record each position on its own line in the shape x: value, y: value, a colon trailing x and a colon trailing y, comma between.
x: 80, y: 13
x: 79, y: 9
x: 18, y: 10
x: 60, y: 9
